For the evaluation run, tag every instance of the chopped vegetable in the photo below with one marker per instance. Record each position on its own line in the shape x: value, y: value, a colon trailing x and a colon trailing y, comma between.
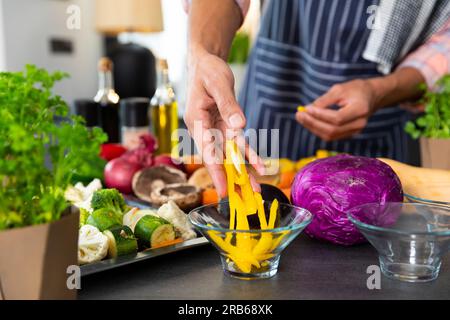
x: 152, y: 231
x: 103, y: 219
x: 92, y: 245
x: 110, y: 199
x: 247, y: 252
x: 210, y: 196
x: 134, y: 215
x: 81, y: 196
x: 172, y: 213
x: 121, y: 241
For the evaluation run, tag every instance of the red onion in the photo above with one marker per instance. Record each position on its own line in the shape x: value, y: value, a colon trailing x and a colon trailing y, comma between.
x: 119, y: 174
x: 168, y: 161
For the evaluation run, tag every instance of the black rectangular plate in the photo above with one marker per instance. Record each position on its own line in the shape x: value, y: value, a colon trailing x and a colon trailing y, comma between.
x: 108, y: 264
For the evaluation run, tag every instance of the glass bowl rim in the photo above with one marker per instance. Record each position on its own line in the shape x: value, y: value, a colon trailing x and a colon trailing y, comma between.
x: 427, y: 201
x: 296, y: 226
x: 371, y: 227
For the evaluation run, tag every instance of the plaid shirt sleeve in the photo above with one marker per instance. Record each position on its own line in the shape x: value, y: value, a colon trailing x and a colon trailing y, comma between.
x: 432, y: 59
x: 243, y: 5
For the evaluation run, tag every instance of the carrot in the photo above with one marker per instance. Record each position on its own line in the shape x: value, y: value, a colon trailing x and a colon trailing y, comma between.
x: 192, y: 163
x: 168, y: 243
x: 210, y: 196
x: 286, y: 179
x: 287, y: 192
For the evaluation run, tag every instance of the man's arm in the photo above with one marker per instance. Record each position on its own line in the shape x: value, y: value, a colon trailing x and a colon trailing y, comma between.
x: 211, y: 102
x: 212, y: 25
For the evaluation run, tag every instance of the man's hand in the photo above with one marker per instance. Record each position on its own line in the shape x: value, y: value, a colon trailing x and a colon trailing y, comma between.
x: 357, y: 100
x: 211, y: 104
x: 356, y: 103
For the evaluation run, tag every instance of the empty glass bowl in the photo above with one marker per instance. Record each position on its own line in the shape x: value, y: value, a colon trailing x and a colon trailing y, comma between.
x: 415, y: 199
x: 255, y: 253
x: 410, y: 238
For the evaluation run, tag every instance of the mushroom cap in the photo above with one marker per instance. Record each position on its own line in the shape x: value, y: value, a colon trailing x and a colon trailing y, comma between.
x: 185, y: 195
x: 201, y: 178
x: 148, y: 179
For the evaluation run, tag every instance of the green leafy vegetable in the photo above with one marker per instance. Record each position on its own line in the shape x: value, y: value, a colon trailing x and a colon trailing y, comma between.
x: 38, y: 156
x: 435, y: 123
x: 110, y: 199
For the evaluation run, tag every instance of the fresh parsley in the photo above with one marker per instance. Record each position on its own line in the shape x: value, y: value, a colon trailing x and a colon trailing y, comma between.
x: 435, y: 123
x: 39, y: 156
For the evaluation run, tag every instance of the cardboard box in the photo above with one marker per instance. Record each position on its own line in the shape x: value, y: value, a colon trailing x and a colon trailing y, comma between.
x: 435, y: 153
x: 34, y: 259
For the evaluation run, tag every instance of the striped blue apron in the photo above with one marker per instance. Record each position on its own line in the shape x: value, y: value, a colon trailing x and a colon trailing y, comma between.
x: 303, y: 48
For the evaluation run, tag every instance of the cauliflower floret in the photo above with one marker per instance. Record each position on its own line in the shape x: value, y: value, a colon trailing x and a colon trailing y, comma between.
x: 92, y: 245
x: 178, y: 218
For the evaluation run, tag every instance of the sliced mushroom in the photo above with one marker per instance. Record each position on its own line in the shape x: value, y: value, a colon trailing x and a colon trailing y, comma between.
x: 201, y: 178
x: 149, y: 179
x: 185, y: 195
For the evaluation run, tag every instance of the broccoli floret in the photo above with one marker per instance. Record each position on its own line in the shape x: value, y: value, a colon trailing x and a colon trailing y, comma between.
x: 109, y: 199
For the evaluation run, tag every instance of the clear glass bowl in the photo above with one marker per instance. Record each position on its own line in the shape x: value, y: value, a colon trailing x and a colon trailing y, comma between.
x: 255, y: 253
x: 410, y: 238
x: 415, y: 199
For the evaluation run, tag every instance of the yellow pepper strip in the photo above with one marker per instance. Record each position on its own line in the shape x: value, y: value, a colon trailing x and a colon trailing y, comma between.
x: 242, y: 176
x: 243, y: 265
x: 264, y: 244
x: 273, y: 214
x: 301, y: 108
x: 230, y: 186
x: 320, y: 154
x: 261, y: 211
x: 278, y: 240
x: 232, y: 251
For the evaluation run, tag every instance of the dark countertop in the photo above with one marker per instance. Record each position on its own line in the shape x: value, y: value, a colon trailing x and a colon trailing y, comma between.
x: 308, y: 270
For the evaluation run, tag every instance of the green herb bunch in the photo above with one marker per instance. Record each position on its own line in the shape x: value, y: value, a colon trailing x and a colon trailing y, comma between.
x: 38, y: 157
x: 435, y: 123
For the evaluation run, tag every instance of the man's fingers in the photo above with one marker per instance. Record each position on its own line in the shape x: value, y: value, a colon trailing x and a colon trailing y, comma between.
x: 329, y: 132
x: 250, y: 154
x: 339, y: 117
x: 220, y: 88
x: 331, y: 97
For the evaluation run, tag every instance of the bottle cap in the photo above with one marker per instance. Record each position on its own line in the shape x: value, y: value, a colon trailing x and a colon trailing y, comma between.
x: 134, y: 112
x: 105, y: 64
x: 89, y: 110
x: 162, y: 64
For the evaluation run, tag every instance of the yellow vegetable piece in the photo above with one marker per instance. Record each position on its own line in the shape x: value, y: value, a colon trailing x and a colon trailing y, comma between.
x: 320, y: 154
x: 264, y: 244
x: 248, y: 251
x: 261, y: 212
x: 273, y: 214
x: 286, y: 165
x: 301, y: 108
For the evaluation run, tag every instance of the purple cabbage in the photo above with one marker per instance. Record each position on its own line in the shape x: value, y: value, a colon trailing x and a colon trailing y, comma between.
x: 330, y: 187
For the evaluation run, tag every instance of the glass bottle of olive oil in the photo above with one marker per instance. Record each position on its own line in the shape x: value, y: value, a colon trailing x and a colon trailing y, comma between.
x: 164, y: 112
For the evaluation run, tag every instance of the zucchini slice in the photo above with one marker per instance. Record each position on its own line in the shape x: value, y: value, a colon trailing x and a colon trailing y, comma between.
x: 121, y: 241
x: 152, y: 230
x: 103, y: 219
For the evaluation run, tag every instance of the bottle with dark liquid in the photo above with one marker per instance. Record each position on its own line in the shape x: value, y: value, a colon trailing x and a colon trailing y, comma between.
x: 108, y: 100
x: 164, y: 112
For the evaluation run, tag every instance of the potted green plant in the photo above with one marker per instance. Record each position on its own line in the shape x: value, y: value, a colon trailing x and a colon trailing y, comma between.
x: 41, y: 148
x: 433, y: 127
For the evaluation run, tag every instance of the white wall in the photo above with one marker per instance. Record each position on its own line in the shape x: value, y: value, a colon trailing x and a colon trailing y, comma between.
x: 27, y: 27
x: 170, y: 44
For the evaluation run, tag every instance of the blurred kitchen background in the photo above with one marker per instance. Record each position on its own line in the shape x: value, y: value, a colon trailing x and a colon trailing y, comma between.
x: 72, y: 35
